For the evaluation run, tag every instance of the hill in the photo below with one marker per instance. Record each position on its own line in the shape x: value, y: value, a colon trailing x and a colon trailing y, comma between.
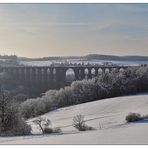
x: 116, y: 58
x: 89, y: 57
x: 106, y: 116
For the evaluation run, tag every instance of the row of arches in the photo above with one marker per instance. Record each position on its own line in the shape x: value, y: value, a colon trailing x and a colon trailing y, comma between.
x: 88, y: 73
x: 56, y: 75
x: 30, y: 70
x: 54, y: 70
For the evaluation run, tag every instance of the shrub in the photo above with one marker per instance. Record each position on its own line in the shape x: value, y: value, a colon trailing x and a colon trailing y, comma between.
x: 21, y: 129
x: 132, y: 117
x: 11, y: 121
x: 44, y: 126
x: 57, y: 130
x: 37, y: 106
x: 79, y: 123
x: 49, y: 130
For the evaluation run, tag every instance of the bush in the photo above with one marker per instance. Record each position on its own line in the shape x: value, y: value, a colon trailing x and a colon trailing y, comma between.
x: 44, y: 126
x: 57, y: 130
x: 11, y: 121
x: 21, y: 129
x: 49, y: 130
x: 132, y: 117
x: 79, y: 123
x: 34, y: 107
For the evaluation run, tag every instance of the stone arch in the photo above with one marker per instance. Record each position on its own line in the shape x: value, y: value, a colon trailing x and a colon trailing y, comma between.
x: 107, y: 70
x: 48, y: 71
x: 70, y: 75
x: 100, y: 71
x: 114, y: 70
x: 121, y: 69
x: 42, y: 74
x: 54, y: 71
x: 53, y: 75
x: 93, y: 72
x: 86, y: 72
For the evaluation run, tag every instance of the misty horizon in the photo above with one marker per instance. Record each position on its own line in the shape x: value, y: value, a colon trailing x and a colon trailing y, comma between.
x: 40, y: 30
x: 92, y: 54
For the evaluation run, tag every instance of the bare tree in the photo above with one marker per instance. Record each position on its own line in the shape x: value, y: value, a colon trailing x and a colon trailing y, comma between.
x: 42, y: 123
x: 79, y: 123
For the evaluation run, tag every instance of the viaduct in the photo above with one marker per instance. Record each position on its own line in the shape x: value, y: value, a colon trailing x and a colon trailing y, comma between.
x: 54, y: 77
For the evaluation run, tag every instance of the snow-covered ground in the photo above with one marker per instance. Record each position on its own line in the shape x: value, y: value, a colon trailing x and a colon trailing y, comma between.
x: 106, y: 116
x: 100, y: 62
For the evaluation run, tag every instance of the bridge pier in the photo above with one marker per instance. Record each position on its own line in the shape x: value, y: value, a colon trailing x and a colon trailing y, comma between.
x: 89, y: 73
x: 60, y: 77
x: 76, y: 71
x: 96, y: 72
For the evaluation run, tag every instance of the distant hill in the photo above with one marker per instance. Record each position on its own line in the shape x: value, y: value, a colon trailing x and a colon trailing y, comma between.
x: 8, y: 60
x: 8, y: 57
x: 116, y: 58
x: 90, y: 57
x: 48, y: 58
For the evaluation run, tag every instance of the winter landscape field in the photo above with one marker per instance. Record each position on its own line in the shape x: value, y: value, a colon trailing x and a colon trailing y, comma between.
x: 106, y: 116
x: 73, y: 73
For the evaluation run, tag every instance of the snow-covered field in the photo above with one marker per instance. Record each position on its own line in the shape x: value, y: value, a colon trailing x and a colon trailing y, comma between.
x: 106, y: 116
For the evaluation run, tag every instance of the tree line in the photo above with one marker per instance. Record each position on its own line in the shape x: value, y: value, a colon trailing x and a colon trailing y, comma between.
x: 133, y: 80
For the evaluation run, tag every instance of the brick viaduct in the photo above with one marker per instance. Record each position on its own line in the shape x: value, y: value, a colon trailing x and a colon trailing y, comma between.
x: 54, y: 77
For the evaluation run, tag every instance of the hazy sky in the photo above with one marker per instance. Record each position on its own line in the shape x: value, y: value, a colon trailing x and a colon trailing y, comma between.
x: 37, y: 30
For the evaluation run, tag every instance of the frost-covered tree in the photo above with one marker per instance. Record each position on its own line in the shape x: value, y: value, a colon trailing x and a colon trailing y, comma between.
x: 142, y: 74
x: 42, y: 123
x: 79, y: 123
x: 65, y: 97
x: 11, y: 122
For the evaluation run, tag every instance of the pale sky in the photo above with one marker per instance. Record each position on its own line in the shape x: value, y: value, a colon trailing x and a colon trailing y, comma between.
x: 38, y: 30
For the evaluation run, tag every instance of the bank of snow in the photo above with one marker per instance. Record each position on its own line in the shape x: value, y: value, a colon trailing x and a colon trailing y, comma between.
x: 106, y: 116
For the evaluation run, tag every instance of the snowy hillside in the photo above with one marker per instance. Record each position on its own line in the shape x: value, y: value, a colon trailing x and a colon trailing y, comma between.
x: 106, y: 116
